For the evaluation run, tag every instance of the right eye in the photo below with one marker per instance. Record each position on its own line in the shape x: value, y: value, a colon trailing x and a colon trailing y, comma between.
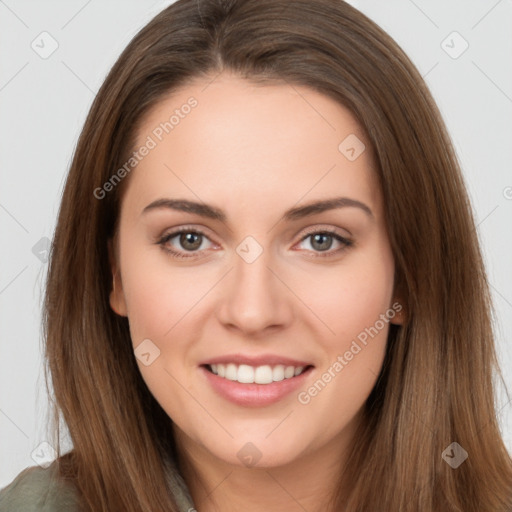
x: 190, y: 240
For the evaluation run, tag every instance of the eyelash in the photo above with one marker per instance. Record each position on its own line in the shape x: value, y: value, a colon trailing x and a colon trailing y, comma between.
x: 346, y: 243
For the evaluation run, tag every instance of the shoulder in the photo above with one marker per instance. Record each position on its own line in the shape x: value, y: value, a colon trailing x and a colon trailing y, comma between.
x: 38, y: 489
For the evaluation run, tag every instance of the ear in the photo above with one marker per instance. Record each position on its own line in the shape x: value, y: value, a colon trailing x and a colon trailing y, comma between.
x: 398, y: 306
x: 116, y: 298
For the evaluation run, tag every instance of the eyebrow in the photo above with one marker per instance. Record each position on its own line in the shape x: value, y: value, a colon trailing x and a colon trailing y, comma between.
x: 297, y: 213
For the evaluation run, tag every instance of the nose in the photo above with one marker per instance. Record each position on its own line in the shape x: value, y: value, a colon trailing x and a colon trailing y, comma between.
x: 255, y: 298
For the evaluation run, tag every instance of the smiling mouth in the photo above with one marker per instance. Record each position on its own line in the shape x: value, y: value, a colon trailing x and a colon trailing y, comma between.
x: 264, y: 374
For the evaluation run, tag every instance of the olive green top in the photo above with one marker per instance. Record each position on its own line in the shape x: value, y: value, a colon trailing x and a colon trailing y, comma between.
x: 38, y: 489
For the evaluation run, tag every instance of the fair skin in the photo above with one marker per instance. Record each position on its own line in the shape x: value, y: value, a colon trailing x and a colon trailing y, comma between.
x: 254, y: 152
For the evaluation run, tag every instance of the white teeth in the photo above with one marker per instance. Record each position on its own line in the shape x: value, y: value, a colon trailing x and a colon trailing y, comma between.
x: 289, y: 372
x: 245, y: 374
x: 263, y: 375
x: 231, y: 371
x: 278, y: 373
x: 260, y: 375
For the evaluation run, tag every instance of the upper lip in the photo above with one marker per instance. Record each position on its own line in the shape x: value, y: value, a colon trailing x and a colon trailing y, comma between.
x: 260, y: 360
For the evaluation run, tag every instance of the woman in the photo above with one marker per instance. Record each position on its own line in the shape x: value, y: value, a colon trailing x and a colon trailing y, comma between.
x: 265, y: 289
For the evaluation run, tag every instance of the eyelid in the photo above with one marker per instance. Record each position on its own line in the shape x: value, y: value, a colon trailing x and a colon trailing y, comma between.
x: 315, y: 228
x: 308, y: 230
x: 192, y: 228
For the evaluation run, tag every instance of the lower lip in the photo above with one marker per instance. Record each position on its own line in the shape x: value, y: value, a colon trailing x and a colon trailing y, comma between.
x: 254, y: 395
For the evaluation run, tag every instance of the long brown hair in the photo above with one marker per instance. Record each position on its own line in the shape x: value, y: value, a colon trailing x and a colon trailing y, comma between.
x: 436, y: 384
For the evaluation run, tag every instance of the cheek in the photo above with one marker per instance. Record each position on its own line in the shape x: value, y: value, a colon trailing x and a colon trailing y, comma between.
x: 164, y: 306
x: 160, y: 297
x: 160, y: 304
x: 351, y: 298
x: 356, y: 307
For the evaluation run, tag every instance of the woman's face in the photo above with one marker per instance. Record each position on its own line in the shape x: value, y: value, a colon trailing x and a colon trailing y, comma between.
x: 260, y: 283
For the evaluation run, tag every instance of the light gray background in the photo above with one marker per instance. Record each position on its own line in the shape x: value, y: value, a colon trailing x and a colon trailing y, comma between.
x: 44, y: 101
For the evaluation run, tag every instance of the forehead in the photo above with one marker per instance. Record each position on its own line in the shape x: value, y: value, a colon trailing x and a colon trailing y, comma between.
x: 229, y: 139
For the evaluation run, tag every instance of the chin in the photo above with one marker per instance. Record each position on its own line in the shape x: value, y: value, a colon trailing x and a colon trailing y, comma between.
x: 255, y: 452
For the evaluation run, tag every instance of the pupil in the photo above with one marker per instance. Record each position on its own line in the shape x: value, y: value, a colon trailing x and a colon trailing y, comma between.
x: 188, y: 238
x: 319, y: 236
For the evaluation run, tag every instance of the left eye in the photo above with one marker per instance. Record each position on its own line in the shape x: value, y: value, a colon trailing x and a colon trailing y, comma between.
x: 322, y: 241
